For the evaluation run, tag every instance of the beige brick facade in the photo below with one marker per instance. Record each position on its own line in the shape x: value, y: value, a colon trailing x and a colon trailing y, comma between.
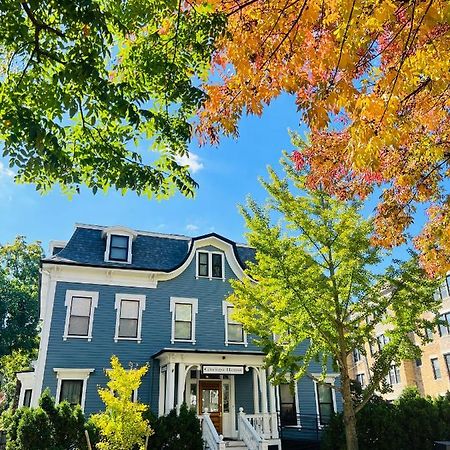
x: 420, y: 373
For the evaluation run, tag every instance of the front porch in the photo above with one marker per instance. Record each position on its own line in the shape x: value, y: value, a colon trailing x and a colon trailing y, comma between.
x: 229, y: 391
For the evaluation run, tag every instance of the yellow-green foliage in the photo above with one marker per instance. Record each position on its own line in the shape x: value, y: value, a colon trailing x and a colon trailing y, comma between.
x: 122, y: 426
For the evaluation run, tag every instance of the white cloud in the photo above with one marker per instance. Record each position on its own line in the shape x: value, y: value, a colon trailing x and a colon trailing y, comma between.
x: 192, y: 160
x: 5, y: 172
x: 191, y: 227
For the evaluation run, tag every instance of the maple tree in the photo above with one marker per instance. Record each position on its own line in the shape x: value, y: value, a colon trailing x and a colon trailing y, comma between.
x: 100, y: 93
x: 372, y: 82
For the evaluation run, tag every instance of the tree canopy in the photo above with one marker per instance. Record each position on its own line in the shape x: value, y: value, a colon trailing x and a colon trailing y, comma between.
x: 372, y: 82
x: 314, y: 283
x: 19, y: 295
x: 99, y: 93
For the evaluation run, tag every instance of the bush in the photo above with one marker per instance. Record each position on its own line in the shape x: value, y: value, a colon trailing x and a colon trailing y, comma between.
x: 176, y: 432
x: 410, y: 423
x: 48, y: 427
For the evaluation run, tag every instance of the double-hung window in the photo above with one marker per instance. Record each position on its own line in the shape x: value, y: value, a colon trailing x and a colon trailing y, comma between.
x: 71, y: 385
x: 436, y: 368
x: 393, y: 376
x: 382, y: 340
x: 129, y: 309
x: 325, y: 402
x: 183, y: 311
x: 360, y: 379
x: 447, y: 362
x: 444, y: 327
x: 288, y: 405
x: 234, y: 331
x: 118, y: 247
x: 210, y: 265
x: 80, y: 314
x: 356, y: 355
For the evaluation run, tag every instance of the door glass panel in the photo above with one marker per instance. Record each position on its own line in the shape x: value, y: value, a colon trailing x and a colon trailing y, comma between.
x: 210, y: 399
x: 193, y: 395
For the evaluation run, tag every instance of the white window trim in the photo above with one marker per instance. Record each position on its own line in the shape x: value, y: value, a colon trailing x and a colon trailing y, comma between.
x: 210, y: 253
x: 72, y: 374
x: 225, y: 305
x: 194, y: 303
x: 141, y: 300
x: 329, y: 379
x: 68, y: 303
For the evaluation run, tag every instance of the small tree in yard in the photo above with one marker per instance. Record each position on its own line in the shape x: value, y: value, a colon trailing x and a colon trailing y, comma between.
x: 122, y: 426
x: 314, y: 281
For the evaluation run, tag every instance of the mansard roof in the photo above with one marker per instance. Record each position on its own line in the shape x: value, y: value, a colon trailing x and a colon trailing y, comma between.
x: 151, y: 251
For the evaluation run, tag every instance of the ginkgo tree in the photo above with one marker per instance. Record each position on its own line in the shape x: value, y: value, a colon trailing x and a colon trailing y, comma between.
x: 371, y: 80
x: 314, y: 282
x: 100, y: 93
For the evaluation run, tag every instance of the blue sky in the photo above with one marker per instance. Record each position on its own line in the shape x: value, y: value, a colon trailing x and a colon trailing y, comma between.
x: 226, y: 175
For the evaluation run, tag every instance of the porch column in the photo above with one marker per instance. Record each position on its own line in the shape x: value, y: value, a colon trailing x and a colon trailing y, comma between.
x: 273, y: 407
x: 170, y: 387
x: 181, y: 385
x: 162, y: 391
x: 264, y: 410
x: 255, y: 391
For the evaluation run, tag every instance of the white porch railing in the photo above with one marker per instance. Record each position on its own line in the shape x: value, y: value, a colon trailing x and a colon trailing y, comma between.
x: 253, y: 439
x: 209, y: 433
x: 266, y: 425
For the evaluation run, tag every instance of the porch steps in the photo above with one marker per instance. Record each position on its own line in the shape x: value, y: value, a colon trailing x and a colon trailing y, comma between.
x: 235, y: 445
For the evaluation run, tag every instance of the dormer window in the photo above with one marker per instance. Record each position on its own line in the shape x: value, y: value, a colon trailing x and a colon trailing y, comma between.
x: 118, y: 250
x: 119, y: 244
x: 210, y: 265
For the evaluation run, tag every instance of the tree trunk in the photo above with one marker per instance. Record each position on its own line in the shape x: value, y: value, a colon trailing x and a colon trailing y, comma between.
x: 349, y: 412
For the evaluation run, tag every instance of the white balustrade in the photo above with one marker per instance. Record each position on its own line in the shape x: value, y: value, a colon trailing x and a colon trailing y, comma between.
x: 253, y: 437
x: 213, y: 440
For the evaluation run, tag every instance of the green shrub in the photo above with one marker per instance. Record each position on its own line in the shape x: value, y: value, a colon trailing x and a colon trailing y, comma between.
x: 48, y: 427
x: 176, y: 432
x: 410, y: 423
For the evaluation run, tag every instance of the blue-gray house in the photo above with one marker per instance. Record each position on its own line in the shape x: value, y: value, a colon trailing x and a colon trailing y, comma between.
x: 161, y: 299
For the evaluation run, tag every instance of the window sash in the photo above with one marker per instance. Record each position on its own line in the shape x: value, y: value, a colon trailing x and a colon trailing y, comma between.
x: 444, y: 330
x: 128, y: 328
x: 71, y: 391
x: 183, y: 321
x: 235, y: 330
x: 203, y: 264
x: 436, y: 368
x: 80, y: 315
x: 216, y: 263
x: 288, y: 407
x: 118, y: 248
x: 447, y: 362
x: 325, y: 402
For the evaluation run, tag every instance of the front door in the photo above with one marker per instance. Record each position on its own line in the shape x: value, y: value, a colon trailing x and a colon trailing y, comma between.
x: 211, y: 398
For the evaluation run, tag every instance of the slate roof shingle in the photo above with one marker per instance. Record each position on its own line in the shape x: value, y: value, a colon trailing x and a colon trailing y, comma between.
x: 150, y: 251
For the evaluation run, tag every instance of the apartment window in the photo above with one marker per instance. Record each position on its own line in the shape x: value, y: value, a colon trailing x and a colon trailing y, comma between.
x: 447, y: 362
x: 394, y: 375
x: 429, y: 332
x: 210, y: 264
x: 382, y: 340
x: 325, y: 402
x: 234, y: 331
x: 443, y: 289
x: 71, y: 391
x: 129, y: 316
x: 444, y: 328
x: 118, y: 247
x: 356, y: 355
x: 360, y: 379
x: 27, y: 397
x: 80, y: 314
x: 72, y: 384
x: 436, y: 368
x: 288, y: 408
x: 183, y: 311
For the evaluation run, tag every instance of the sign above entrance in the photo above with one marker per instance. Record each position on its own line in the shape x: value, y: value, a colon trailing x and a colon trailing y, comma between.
x: 223, y: 370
